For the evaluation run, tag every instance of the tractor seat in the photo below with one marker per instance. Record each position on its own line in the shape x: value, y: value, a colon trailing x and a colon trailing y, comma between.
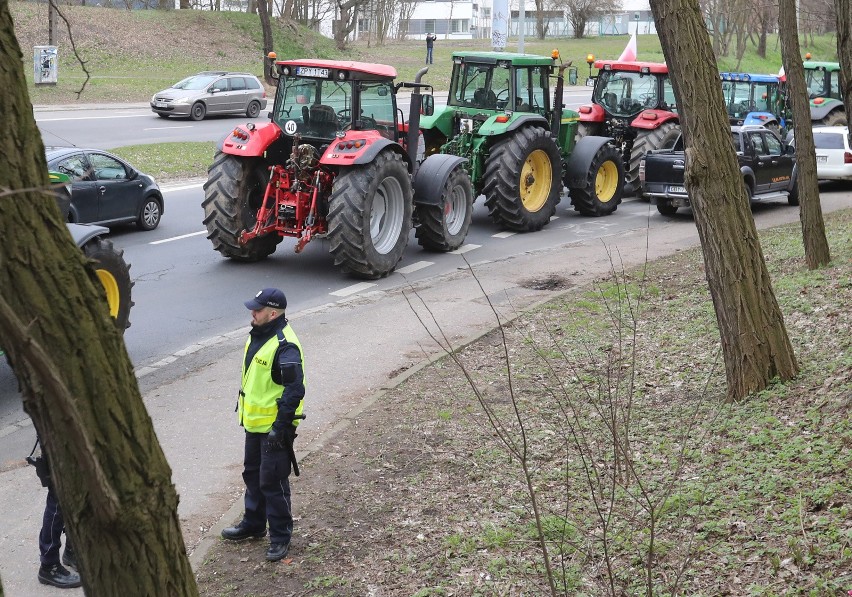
x: 322, y: 120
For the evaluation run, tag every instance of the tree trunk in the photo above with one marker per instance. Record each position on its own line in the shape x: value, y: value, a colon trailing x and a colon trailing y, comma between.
x: 78, y: 385
x: 266, y: 28
x: 844, y: 55
x: 810, y: 213
x: 754, y: 340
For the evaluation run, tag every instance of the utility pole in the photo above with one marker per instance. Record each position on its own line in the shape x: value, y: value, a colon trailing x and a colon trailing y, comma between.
x: 522, y: 24
x: 51, y: 23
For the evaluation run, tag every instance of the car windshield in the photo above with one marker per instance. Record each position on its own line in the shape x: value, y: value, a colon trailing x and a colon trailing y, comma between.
x: 195, y: 82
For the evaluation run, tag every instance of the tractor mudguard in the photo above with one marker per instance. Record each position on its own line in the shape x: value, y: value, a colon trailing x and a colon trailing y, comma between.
x: 760, y: 118
x: 83, y: 233
x: 432, y: 176
x: 652, y: 119
x: 491, y: 127
x: 250, y: 140
x: 592, y: 113
x: 821, y: 110
x: 577, y: 169
x: 352, y: 156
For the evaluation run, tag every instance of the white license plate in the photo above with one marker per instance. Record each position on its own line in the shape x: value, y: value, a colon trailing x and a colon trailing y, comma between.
x: 312, y: 71
x: 822, y: 159
x: 676, y: 189
x: 160, y: 104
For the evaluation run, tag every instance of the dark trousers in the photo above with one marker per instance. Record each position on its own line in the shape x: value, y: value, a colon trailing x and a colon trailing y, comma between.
x: 52, y: 525
x: 428, y: 55
x: 266, y: 475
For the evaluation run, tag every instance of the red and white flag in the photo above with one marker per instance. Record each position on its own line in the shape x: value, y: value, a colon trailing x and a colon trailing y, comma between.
x: 629, y: 53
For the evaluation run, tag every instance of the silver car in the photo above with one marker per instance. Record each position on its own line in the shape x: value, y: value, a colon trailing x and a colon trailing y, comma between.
x: 211, y: 92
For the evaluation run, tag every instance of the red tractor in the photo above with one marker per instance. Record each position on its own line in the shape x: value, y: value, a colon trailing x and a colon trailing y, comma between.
x: 634, y: 103
x: 336, y: 162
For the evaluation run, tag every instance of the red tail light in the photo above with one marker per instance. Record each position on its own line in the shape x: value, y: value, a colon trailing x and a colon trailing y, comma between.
x: 847, y: 157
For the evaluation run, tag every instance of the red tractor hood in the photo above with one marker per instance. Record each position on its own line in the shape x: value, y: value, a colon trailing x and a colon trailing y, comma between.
x: 250, y: 139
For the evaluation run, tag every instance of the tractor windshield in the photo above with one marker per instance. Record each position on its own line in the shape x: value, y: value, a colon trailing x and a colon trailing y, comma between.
x: 822, y: 83
x: 483, y: 86
x: 623, y: 93
x: 742, y: 97
x: 320, y: 108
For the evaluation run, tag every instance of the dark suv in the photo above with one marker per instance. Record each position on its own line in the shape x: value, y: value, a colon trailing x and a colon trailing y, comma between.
x: 211, y: 92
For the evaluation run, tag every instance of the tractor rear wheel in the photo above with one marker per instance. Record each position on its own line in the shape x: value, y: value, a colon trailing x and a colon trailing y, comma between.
x: 645, y: 141
x: 114, y: 274
x: 369, y: 218
x: 233, y: 194
x: 523, y: 180
x: 834, y: 118
x: 444, y: 227
x: 603, y: 189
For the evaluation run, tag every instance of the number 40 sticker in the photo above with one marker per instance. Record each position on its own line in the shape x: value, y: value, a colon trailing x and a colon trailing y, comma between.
x: 290, y: 127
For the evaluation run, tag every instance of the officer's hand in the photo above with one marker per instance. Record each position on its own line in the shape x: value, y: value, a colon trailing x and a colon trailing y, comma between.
x: 276, y: 440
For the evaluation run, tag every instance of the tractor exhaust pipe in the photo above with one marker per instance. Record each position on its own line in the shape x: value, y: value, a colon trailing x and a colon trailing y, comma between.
x: 414, y: 116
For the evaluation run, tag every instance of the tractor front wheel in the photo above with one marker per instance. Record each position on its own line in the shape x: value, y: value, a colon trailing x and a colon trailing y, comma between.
x: 114, y: 275
x: 370, y: 216
x: 233, y: 195
x: 523, y: 182
x: 645, y: 141
x: 604, y: 185
x: 443, y: 227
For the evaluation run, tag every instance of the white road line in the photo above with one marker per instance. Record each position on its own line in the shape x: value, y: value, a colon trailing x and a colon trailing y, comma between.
x: 408, y: 269
x: 197, y: 185
x: 505, y: 234
x: 168, y: 240
x: 352, y: 289
x: 464, y: 249
x: 167, y: 128
x: 91, y: 117
x: 554, y: 218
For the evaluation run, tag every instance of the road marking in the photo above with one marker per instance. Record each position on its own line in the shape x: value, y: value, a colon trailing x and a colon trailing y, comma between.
x: 167, y: 128
x: 554, y: 218
x: 505, y: 234
x: 409, y: 269
x: 91, y: 117
x: 168, y: 240
x: 352, y: 289
x: 464, y: 249
x: 197, y: 185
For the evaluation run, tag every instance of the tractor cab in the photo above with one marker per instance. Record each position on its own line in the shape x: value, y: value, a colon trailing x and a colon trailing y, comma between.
x: 754, y: 99
x: 321, y: 100
x: 624, y: 89
x: 826, y: 96
x: 498, y: 81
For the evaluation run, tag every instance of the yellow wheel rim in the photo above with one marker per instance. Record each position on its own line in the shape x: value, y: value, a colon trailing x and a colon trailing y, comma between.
x: 536, y: 177
x: 113, y: 295
x: 606, y: 181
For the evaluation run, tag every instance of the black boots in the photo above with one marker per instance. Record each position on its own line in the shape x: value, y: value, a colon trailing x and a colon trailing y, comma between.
x: 58, y: 576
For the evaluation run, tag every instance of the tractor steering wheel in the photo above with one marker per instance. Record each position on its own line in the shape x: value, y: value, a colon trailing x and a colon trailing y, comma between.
x: 502, y: 98
x: 344, y: 116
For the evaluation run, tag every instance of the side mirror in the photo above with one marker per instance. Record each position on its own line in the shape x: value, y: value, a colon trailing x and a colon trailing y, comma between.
x: 590, y: 82
x: 790, y: 150
x: 427, y: 104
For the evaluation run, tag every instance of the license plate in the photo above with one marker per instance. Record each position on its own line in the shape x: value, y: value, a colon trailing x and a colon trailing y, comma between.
x: 160, y: 104
x: 312, y: 71
x: 822, y: 159
x: 677, y: 189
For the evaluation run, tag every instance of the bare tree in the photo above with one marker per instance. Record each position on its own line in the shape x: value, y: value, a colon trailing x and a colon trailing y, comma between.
x: 348, y: 11
x: 580, y: 12
x: 405, y: 10
x: 755, y: 345
x: 78, y: 385
x: 813, y: 227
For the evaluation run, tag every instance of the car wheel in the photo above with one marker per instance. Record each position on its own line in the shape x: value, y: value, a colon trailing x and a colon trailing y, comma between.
x: 198, y: 111
x: 149, y: 215
x: 253, y: 109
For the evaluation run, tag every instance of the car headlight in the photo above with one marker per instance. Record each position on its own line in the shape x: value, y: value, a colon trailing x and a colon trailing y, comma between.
x: 181, y: 100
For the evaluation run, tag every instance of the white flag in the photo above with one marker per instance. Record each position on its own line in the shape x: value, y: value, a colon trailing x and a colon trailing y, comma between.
x: 629, y: 53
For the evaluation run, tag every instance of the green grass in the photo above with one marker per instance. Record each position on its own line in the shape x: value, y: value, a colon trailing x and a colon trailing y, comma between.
x: 170, y: 160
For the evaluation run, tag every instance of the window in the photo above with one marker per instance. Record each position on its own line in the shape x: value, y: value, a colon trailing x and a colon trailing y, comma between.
x: 107, y: 168
x: 773, y: 145
x: 252, y: 83
x: 429, y: 25
x: 757, y: 142
x: 221, y: 85
x: 459, y: 25
x: 238, y: 84
x: 74, y: 166
x: 828, y: 141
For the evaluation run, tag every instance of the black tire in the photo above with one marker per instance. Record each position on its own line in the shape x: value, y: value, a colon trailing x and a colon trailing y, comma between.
x: 198, y: 111
x: 523, y: 180
x: 161, y: 115
x: 369, y: 221
x: 645, y: 141
x: 114, y: 275
x: 233, y: 194
x: 604, y: 184
x: 253, y: 109
x: 665, y: 207
x: 444, y: 227
x: 834, y: 118
x: 793, y: 194
x: 149, y: 215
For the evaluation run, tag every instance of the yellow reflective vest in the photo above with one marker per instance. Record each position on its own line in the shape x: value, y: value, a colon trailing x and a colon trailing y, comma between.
x: 258, y: 405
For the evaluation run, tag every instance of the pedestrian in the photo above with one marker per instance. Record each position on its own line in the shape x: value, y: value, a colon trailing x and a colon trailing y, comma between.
x: 269, y: 405
x: 52, y: 572
x: 430, y: 43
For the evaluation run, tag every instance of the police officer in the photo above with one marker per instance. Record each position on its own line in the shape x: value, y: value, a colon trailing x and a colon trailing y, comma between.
x: 270, y: 407
x: 52, y: 572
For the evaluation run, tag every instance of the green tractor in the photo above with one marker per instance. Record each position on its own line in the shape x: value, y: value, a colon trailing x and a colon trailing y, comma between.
x: 825, y: 93
x: 519, y: 141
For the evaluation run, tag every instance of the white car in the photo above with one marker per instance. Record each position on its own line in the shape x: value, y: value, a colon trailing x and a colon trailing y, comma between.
x: 833, y: 154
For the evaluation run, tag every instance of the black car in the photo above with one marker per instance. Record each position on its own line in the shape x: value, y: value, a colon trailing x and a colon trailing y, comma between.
x: 105, y: 189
